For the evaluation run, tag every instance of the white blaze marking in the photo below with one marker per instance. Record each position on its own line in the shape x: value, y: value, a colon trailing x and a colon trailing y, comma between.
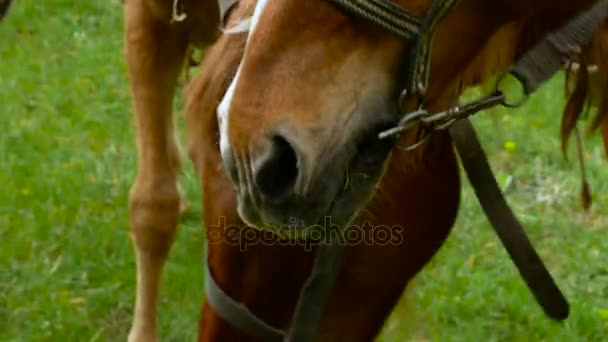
x: 223, y: 109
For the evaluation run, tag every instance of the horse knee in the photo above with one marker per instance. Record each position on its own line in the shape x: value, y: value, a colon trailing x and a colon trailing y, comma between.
x: 154, y: 211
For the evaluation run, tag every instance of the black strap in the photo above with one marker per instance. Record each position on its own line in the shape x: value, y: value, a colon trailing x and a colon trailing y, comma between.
x: 504, y: 222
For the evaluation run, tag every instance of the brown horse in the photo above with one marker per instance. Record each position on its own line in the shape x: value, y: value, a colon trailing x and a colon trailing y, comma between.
x: 301, y: 98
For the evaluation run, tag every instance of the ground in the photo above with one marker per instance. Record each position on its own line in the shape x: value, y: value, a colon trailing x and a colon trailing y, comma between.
x: 67, y: 162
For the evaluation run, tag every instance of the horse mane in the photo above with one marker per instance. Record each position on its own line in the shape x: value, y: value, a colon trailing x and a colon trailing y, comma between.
x: 586, y: 88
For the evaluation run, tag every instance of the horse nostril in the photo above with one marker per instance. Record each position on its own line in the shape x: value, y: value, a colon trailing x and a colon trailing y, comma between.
x: 277, y: 170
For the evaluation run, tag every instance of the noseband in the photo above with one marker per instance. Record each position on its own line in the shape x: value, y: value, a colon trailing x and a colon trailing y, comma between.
x: 538, y: 65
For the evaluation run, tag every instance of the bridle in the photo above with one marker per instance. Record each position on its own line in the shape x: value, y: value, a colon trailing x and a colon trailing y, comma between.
x: 538, y: 65
x: 418, y: 31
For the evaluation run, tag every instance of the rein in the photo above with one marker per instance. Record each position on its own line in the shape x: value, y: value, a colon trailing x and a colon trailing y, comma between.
x: 5, y: 5
x: 532, y: 70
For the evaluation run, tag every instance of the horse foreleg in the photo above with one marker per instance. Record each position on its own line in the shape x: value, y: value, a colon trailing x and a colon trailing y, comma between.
x: 154, y: 55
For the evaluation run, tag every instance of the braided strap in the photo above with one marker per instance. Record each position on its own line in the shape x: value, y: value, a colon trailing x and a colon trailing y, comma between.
x: 385, y: 14
x: 418, y: 74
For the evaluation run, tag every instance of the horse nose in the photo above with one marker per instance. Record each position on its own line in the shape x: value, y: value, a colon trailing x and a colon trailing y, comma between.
x: 275, y: 171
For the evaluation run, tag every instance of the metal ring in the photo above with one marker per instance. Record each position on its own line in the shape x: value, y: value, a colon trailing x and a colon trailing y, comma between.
x: 446, y: 114
x: 445, y: 125
x: 408, y: 120
x: 412, y: 117
x: 415, y: 145
x: 505, y: 102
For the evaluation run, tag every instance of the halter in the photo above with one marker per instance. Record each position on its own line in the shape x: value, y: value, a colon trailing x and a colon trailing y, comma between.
x: 538, y: 65
x: 419, y: 32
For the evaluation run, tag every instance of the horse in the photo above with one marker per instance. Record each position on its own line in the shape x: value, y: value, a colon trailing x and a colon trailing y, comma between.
x: 296, y: 93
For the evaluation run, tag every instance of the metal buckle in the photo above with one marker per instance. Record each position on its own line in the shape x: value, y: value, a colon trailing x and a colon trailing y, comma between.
x: 408, y: 120
x: 444, y: 119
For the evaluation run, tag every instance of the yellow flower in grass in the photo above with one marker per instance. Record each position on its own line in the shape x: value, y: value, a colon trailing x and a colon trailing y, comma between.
x: 510, y: 146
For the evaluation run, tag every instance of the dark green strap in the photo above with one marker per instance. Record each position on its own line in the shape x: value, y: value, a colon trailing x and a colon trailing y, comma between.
x: 385, y: 14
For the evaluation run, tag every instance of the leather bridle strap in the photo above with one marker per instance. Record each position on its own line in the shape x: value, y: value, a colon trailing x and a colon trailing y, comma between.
x: 237, y: 314
x: 533, y: 69
x: 309, y: 308
x: 547, y: 57
x: 504, y: 222
x: 409, y: 26
x: 418, y: 69
x: 385, y: 14
x: 315, y: 293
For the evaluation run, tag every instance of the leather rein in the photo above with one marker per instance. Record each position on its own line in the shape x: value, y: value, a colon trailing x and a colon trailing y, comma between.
x: 5, y: 5
x: 532, y: 70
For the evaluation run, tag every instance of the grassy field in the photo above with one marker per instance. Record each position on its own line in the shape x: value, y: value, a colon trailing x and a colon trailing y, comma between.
x: 67, y: 160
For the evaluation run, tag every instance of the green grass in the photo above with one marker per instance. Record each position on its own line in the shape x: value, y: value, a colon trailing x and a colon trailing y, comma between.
x: 68, y: 158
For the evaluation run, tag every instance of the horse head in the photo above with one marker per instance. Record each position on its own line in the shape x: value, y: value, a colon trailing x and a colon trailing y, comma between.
x: 299, y: 123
